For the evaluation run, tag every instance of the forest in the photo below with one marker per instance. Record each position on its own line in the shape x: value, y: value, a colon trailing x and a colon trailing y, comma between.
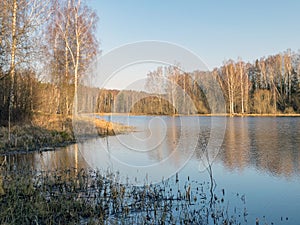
x: 47, y: 46
x: 269, y: 85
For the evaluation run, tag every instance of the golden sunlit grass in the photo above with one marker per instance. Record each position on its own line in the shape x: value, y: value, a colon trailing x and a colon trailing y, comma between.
x: 89, y: 125
x: 47, y: 131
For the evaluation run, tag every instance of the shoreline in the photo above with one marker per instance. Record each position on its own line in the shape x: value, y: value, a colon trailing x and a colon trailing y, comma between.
x: 203, y: 115
x: 49, y: 132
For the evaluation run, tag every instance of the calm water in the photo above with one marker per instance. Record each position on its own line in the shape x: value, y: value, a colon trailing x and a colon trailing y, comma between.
x: 258, y: 158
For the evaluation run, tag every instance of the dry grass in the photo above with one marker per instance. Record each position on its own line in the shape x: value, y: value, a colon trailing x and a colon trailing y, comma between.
x: 47, y: 131
x: 89, y: 125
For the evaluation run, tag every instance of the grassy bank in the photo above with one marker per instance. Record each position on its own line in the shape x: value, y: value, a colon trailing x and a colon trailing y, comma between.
x: 46, y: 132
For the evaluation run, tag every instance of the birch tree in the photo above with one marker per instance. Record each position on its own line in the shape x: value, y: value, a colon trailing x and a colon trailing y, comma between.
x: 75, y: 24
x: 155, y: 84
x: 21, y: 21
x: 242, y: 85
x: 173, y: 74
x: 288, y: 75
x: 230, y: 84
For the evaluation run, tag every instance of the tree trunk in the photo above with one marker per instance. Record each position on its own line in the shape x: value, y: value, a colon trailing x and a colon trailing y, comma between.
x: 242, y: 86
x: 12, y: 66
x: 229, y: 87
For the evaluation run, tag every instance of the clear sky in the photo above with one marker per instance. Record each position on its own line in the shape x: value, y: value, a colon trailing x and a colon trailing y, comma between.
x: 214, y: 30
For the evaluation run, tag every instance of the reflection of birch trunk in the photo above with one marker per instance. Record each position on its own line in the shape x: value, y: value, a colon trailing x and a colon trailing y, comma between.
x: 2, y: 192
x: 76, y: 158
x: 211, y: 178
x: 207, y: 165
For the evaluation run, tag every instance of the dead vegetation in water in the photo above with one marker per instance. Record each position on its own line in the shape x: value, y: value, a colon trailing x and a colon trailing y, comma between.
x: 89, y: 197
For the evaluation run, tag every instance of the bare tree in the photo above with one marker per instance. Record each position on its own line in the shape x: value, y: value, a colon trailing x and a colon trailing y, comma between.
x: 173, y: 74
x: 288, y: 75
x: 155, y: 84
x: 230, y: 84
x: 21, y: 21
x: 242, y: 85
x: 12, y: 63
x: 75, y: 24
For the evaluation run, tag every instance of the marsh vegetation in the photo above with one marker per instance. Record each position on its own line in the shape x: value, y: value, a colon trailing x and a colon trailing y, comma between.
x: 91, y: 197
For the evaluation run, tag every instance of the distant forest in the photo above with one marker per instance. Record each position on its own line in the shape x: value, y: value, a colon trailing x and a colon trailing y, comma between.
x: 46, y: 48
x: 268, y: 86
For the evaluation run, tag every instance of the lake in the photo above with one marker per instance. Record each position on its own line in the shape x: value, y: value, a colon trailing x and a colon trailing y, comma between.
x: 256, y: 159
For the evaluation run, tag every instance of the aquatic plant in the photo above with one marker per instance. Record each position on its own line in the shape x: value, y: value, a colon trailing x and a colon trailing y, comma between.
x: 91, y: 197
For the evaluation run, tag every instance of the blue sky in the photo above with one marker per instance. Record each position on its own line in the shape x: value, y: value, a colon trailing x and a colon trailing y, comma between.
x: 214, y: 30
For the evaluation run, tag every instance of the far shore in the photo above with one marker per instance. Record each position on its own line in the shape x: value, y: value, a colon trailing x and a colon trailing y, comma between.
x: 204, y: 115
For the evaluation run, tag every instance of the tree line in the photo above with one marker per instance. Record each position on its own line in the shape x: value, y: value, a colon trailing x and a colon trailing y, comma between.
x: 45, y: 49
x: 270, y: 85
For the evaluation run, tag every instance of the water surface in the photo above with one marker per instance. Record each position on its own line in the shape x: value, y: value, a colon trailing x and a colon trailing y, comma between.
x: 258, y: 160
